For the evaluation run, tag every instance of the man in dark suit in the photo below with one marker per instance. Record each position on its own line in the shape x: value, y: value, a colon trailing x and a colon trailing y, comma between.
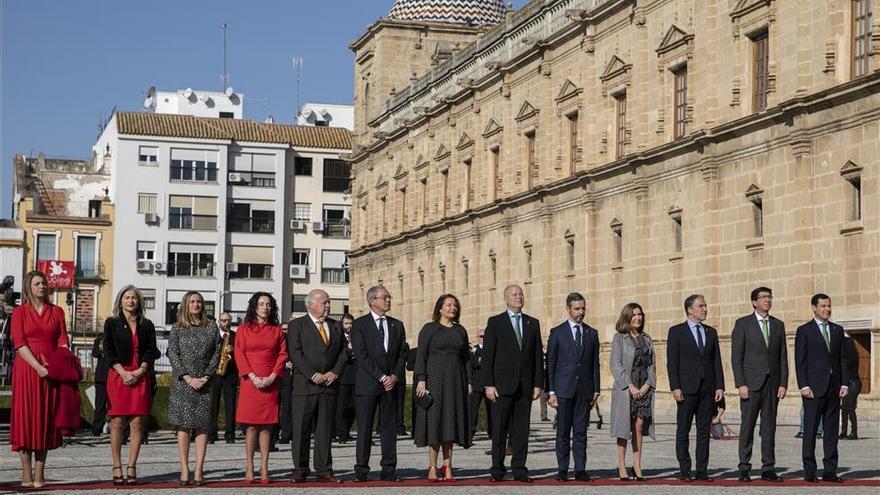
x: 759, y: 357
x: 379, y: 347
x: 411, y: 354
x: 401, y: 396
x: 101, y: 369
x: 573, y: 376
x: 850, y: 402
x: 513, y: 373
x: 822, y: 379
x: 226, y: 384
x: 477, y: 389
x: 345, y: 399
x: 693, y: 360
x: 315, y: 347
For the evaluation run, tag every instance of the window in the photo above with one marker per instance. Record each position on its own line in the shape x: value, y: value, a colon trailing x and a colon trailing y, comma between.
x: 465, y: 272
x: 527, y: 250
x: 620, y: 105
x: 337, y: 175
x: 298, y: 303
x: 148, y: 156
x: 531, y: 159
x: 444, y: 200
x: 147, y: 202
x: 493, y: 266
x: 149, y: 296
x: 86, y: 255
x: 617, y: 237
x: 677, y: 243
x: 258, y: 271
x: 403, y: 209
x: 257, y: 218
x: 442, y: 278
x: 226, y: 115
x: 334, y: 267
x: 495, y: 181
x: 302, y: 211
x: 569, y: 253
x: 680, y: 111
x: 761, y: 70
x: 572, y: 141
x: 95, y: 208
x: 468, y: 194
x: 300, y: 257
x: 146, y: 251
x: 336, y: 221
x: 424, y: 207
x: 862, y: 17
x: 193, y: 171
x: 421, y: 284
x: 852, y: 174
x: 302, y: 165
x: 191, y: 260
x: 45, y: 247
x: 192, y: 213
x: 758, y: 216
x: 252, y: 169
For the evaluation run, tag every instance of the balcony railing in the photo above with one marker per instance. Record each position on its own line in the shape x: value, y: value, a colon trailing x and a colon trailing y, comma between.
x: 252, y: 179
x: 94, y: 271
x: 197, y: 269
x: 334, y: 275
x: 186, y: 221
x: 337, y: 230
x: 251, y: 225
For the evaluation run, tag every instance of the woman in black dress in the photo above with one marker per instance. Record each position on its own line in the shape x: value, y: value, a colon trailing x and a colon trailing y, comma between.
x: 440, y: 372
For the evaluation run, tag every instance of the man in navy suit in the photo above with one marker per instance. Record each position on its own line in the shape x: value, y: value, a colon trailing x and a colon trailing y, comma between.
x: 573, y: 371
x: 513, y: 373
x: 693, y: 360
x: 379, y: 344
x: 822, y: 379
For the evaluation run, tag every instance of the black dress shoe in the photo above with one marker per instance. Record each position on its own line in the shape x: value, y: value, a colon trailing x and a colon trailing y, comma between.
x: 360, y: 478
x: 770, y: 476
x: 523, y: 478
x: 684, y: 476
x: 298, y: 478
x: 811, y: 479
x: 390, y: 477
x: 799, y: 434
x: 702, y: 476
x: 744, y: 477
x: 496, y: 479
x: 832, y: 478
x: 582, y: 476
x: 853, y: 436
x: 562, y: 477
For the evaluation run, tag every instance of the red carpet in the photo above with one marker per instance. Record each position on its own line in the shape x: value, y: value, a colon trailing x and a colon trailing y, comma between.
x: 482, y: 481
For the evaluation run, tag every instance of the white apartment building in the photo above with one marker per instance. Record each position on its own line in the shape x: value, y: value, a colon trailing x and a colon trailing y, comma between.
x: 228, y: 207
x: 326, y: 114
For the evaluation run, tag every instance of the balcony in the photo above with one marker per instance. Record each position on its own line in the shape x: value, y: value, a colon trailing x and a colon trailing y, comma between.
x: 251, y: 225
x: 93, y: 271
x: 337, y: 230
x: 334, y: 275
x: 199, y: 269
x: 187, y: 221
x: 251, y: 179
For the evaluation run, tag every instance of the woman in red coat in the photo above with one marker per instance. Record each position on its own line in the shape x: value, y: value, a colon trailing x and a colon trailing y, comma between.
x: 37, y: 330
x: 260, y: 353
x: 130, y: 350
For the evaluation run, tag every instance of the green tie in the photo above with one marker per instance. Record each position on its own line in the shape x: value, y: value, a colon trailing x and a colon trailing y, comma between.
x: 517, y: 329
x: 766, y: 332
x: 825, y: 335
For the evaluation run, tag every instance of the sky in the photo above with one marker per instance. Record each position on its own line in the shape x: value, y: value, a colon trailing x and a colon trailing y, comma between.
x: 64, y: 66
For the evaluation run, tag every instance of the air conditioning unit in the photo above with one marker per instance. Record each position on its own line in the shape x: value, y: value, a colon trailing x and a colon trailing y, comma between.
x: 235, y: 177
x: 297, y: 225
x: 231, y: 267
x: 318, y: 226
x: 151, y: 218
x: 299, y: 272
x: 160, y: 266
x: 144, y: 266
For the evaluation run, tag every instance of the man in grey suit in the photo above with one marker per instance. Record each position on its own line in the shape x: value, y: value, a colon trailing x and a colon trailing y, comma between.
x: 760, y: 369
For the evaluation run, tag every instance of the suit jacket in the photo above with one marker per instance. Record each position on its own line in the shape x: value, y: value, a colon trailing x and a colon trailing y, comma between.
x: 475, y: 369
x: 851, y: 361
x: 507, y: 367
x: 814, y: 364
x: 348, y: 374
x: 101, y: 367
x: 573, y: 371
x: 117, y: 342
x: 372, y: 360
x: 686, y: 366
x: 754, y: 363
x: 231, y: 375
x: 309, y: 355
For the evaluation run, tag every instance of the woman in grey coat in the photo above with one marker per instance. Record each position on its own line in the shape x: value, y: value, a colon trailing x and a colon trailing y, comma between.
x: 635, y: 379
x: 194, y: 352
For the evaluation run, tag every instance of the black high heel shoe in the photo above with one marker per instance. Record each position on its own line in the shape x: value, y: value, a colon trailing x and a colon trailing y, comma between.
x: 633, y: 476
x: 117, y: 480
x: 131, y: 479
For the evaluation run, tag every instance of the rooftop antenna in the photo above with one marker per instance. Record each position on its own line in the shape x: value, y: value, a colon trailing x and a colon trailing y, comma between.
x: 297, y: 66
x: 225, y: 76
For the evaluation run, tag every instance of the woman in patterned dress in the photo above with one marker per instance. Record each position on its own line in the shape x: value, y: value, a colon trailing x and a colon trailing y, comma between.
x: 260, y: 354
x: 194, y: 354
x: 635, y: 379
x: 440, y: 371
x: 37, y: 330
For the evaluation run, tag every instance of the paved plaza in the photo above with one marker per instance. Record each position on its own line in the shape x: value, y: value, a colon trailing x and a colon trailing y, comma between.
x: 158, y: 467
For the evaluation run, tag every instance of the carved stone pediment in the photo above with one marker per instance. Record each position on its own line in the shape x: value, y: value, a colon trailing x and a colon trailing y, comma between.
x: 492, y: 128
x: 526, y: 111
x: 673, y: 39
x: 464, y: 141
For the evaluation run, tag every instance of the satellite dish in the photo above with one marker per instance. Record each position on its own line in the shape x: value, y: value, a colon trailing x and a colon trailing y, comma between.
x: 270, y: 120
x: 187, y: 93
x: 150, y: 98
x: 229, y: 92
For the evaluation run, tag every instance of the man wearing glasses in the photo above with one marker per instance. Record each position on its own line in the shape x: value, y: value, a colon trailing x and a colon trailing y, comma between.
x: 226, y: 384
x: 477, y: 389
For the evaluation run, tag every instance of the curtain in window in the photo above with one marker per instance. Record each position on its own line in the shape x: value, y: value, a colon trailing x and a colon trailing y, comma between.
x: 45, y: 247
x: 85, y: 256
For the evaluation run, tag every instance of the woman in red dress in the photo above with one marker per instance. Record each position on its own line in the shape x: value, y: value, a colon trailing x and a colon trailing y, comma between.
x: 130, y: 350
x: 260, y: 353
x: 37, y: 330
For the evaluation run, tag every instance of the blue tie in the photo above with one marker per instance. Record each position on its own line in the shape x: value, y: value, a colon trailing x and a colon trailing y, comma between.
x: 700, y: 343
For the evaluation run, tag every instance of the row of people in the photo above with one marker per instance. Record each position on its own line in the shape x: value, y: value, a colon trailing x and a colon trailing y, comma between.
x: 511, y: 370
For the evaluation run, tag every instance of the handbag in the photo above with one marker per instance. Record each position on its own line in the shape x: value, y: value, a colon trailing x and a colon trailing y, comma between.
x: 425, y: 401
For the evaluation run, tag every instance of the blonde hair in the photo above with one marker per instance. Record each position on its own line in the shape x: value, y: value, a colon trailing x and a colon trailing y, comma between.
x: 185, y: 319
x: 26, y: 288
x: 117, y: 305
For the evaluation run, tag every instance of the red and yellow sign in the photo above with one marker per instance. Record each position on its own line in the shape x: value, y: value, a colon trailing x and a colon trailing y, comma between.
x: 59, y: 273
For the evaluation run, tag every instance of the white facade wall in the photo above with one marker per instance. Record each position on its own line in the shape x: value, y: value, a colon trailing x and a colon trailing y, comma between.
x: 12, y: 258
x: 198, y: 103
x: 334, y: 115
